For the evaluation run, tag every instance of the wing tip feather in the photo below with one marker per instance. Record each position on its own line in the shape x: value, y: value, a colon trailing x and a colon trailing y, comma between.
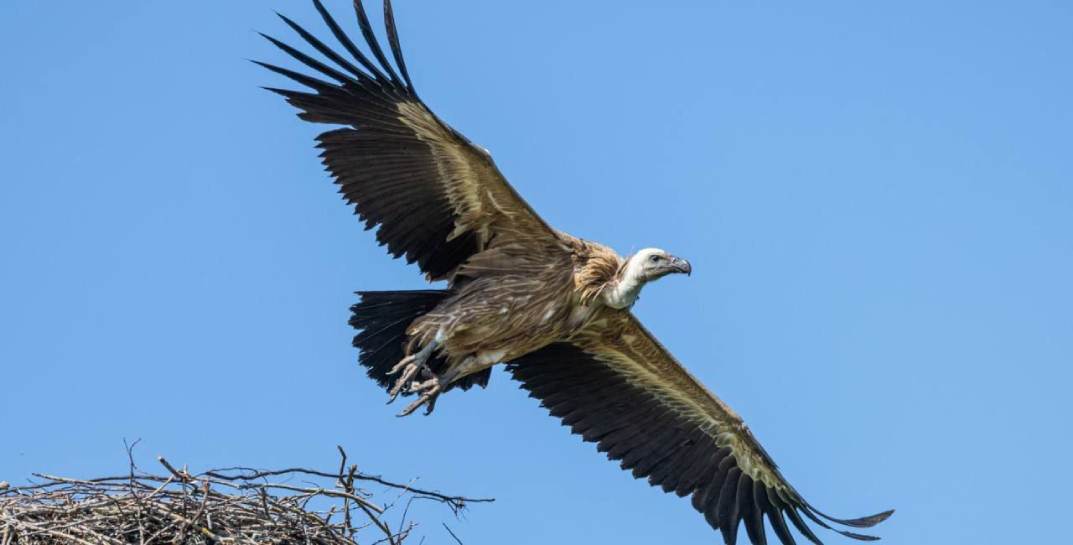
x: 858, y: 522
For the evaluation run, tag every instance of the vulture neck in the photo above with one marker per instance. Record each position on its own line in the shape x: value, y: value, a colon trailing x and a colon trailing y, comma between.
x: 623, y: 291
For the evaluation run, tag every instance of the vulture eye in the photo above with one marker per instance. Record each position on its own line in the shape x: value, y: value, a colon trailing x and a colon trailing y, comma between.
x: 655, y: 258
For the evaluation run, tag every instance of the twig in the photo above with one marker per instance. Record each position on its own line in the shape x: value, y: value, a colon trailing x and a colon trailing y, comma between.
x: 459, y: 541
x: 182, y: 476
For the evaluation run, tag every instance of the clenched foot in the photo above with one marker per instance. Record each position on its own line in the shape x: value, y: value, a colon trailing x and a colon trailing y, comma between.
x: 409, y: 366
x: 429, y: 390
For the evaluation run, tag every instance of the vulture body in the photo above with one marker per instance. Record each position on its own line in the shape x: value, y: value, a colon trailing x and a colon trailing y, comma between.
x: 553, y: 307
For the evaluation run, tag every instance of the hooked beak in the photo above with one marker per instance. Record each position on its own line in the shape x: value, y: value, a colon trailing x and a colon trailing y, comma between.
x: 682, y: 266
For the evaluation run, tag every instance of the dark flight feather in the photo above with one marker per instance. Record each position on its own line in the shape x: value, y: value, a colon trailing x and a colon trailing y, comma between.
x: 322, y: 48
x: 754, y: 520
x: 370, y: 39
x: 347, y: 43
x: 396, y: 50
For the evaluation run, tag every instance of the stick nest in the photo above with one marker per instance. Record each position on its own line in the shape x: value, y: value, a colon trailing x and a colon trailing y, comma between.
x: 227, y: 506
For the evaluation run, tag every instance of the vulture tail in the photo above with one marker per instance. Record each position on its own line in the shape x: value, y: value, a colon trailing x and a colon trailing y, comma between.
x: 382, y: 318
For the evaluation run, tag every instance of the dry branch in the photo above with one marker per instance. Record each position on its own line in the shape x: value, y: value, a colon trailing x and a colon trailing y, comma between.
x: 222, y: 506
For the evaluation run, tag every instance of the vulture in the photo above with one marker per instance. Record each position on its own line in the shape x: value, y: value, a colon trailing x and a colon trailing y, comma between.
x: 554, y: 308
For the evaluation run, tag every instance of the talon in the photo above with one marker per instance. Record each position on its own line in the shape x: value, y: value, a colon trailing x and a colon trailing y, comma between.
x: 407, y: 375
x: 430, y: 390
x: 431, y: 404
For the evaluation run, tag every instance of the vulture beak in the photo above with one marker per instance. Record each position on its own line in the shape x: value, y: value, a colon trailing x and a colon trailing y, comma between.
x: 681, y: 266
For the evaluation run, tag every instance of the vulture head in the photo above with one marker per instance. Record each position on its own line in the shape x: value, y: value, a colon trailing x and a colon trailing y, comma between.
x: 652, y: 263
x: 641, y: 268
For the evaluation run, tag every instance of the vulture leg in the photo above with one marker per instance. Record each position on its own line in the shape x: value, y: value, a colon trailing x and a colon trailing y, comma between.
x: 410, y: 366
x: 432, y: 385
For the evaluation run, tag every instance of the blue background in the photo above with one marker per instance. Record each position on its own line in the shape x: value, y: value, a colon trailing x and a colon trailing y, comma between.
x: 876, y: 198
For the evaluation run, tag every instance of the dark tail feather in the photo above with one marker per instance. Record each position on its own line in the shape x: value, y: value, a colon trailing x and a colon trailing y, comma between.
x: 382, y: 318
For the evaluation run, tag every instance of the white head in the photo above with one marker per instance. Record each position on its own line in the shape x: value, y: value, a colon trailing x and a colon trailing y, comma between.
x: 643, y: 267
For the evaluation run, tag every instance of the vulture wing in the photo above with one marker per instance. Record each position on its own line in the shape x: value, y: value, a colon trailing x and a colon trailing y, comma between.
x: 616, y: 386
x: 435, y: 196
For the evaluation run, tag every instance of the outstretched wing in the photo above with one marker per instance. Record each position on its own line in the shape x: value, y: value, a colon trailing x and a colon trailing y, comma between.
x: 436, y: 197
x: 616, y: 386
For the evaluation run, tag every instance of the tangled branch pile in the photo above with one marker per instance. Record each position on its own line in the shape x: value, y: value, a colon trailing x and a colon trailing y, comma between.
x: 233, y: 506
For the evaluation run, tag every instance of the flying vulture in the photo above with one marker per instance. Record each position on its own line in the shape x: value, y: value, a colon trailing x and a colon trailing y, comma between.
x: 553, y: 307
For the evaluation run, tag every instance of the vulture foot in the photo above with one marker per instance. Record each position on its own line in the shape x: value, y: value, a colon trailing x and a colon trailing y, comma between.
x: 410, y: 366
x: 429, y: 390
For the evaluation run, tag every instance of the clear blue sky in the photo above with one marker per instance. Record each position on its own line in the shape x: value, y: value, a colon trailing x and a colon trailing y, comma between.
x: 877, y: 199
